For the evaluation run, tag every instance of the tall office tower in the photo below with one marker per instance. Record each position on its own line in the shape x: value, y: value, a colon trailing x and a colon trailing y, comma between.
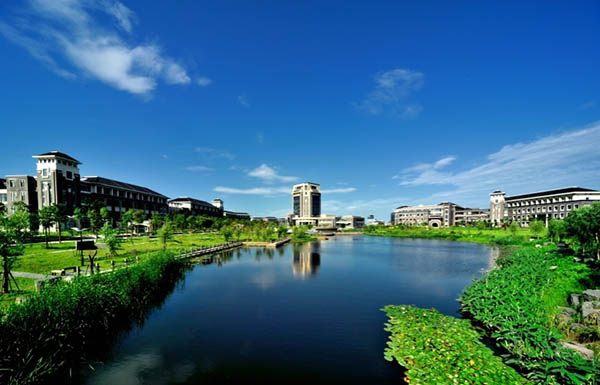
x: 306, y: 200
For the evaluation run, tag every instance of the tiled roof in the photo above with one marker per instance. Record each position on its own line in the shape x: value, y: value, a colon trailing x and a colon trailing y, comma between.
x: 188, y: 199
x: 117, y: 184
x: 58, y: 154
x: 564, y: 190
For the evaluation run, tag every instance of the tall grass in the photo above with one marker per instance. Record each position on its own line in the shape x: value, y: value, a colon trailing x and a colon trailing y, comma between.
x: 516, y: 305
x: 65, y: 325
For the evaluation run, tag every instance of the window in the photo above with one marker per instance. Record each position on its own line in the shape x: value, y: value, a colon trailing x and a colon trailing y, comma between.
x: 576, y: 206
x: 23, y: 195
x: 69, y: 175
x: 45, y: 172
x: 562, y: 207
x: 11, y: 183
x: 22, y: 183
x: 568, y: 207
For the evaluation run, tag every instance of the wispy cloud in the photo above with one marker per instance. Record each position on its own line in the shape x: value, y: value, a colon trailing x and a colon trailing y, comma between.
x: 588, y: 105
x: 366, y: 206
x: 345, y: 190
x: 266, y: 191
x: 199, y: 169
x: 568, y: 158
x: 69, y: 32
x: 391, y: 92
x: 243, y: 100
x: 213, y: 153
x: 203, y: 81
x: 269, y: 175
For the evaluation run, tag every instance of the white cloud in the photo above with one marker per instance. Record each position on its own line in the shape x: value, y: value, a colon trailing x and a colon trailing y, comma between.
x: 569, y: 158
x: 213, y: 153
x: 392, y: 88
x: 269, y: 175
x: 361, y: 205
x: 199, y: 169
x: 68, y: 30
x: 266, y: 191
x: 338, y: 190
x: 203, y: 81
x: 243, y: 100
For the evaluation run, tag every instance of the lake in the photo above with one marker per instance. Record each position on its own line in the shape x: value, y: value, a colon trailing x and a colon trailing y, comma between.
x: 306, y: 314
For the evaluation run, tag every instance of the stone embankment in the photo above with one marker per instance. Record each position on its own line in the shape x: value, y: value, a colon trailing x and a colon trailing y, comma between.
x: 583, y: 313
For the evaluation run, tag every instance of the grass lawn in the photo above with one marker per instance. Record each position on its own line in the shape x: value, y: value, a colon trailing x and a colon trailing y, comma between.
x: 26, y: 285
x: 38, y: 259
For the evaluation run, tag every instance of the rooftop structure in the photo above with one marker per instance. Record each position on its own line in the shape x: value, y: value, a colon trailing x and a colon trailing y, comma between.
x: 196, y: 206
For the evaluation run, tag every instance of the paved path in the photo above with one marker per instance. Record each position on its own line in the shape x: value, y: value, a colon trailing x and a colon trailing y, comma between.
x: 27, y: 275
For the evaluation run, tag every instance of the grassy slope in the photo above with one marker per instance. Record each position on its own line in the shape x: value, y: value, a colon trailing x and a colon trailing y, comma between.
x: 38, y: 259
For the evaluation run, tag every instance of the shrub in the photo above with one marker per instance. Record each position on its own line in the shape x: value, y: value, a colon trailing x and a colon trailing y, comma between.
x: 65, y: 324
x: 437, y: 349
x: 517, y: 303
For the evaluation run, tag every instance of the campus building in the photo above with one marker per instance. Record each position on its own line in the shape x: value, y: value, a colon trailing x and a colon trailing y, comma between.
x: 118, y: 197
x: 197, y: 207
x: 20, y: 188
x: 306, y: 203
x: 445, y: 214
x: 3, y: 194
x: 541, y: 205
x: 58, y: 180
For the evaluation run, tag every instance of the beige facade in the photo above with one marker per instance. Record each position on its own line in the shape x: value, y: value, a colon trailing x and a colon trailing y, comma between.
x: 445, y: 214
x: 542, y: 205
x: 306, y: 204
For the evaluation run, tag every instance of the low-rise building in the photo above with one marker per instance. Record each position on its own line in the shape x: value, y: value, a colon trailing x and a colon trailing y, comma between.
x: 541, y: 205
x: 21, y: 188
x: 196, y: 207
x: 350, y: 222
x: 236, y: 215
x: 118, y: 197
x: 445, y: 214
x: 3, y: 193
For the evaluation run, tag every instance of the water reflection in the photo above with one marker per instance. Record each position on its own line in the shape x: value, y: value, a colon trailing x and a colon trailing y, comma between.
x: 306, y: 260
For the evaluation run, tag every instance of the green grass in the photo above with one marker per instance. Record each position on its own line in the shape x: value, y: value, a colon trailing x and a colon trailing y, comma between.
x: 38, y: 259
x: 496, y: 236
x: 26, y: 286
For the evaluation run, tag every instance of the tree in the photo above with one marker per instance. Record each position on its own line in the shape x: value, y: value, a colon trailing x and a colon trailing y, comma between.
x: 111, y: 239
x: 46, y: 217
x: 226, y: 232
x: 12, y: 234
x: 127, y: 220
x: 60, y: 217
x: 179, y: 220
x: 281, y: 231
x: 514, y: 228
x: 537, y: 227
x: 139, y: 217
x: 96, y: 220
x: 105, y: 214
x: 156, y: 221
x: 583, y: 225
x: 557, y: 229
x: 165, y: 234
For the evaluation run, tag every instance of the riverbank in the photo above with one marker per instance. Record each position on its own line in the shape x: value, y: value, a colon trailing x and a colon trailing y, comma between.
x: 516, y: 305
x: 70, y: 323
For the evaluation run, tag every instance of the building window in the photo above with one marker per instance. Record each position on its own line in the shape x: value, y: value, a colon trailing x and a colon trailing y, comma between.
x: 69, y: 175
x: 562, y: 207
x: 576, y: 206
x: 11, y: 183
x: 568, y: 207
x: 23, y: 195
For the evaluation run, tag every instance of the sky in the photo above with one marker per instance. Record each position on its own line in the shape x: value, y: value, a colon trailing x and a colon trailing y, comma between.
x: 383, y: 103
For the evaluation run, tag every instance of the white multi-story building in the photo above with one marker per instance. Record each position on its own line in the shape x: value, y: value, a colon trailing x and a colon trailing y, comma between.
x: 306, y: 204
x: 541, y: 205
x: 445, y: 214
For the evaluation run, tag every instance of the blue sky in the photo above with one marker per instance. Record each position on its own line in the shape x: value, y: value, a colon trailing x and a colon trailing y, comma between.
x: 382, y: 103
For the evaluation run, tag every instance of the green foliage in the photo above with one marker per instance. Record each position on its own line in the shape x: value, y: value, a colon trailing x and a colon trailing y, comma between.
x: 437, y: 349
x: 156, y: 221
x: 46, y: 217
x: 557, y: 230
x: 165, y: 234
x: 65, y: 324
x: 300, y: 234
x: 516, y: 304
x: 514, y: 228
x: 12, y: 234
x: 583, y: 225
x: 537, y: 227
x: 226, y: 232
x: 111, y: 239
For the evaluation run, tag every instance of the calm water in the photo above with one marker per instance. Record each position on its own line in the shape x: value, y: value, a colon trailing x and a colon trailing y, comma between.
x: 306, y: 314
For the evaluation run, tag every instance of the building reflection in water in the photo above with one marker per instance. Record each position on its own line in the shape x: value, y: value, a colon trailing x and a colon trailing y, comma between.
x: 306, y: 260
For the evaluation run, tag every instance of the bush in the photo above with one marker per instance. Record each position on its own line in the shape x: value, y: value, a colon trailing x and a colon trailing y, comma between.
x: 64, y: 325
x: 517, y: 303
x: 437, y: 349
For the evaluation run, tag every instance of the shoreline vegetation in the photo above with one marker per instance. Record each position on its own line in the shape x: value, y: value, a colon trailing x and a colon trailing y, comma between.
x: 517, y: 306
